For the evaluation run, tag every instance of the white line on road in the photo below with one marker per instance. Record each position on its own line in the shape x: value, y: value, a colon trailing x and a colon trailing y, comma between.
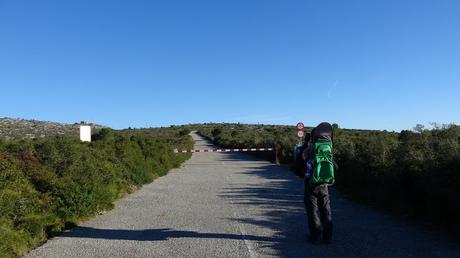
x: 249, y: 246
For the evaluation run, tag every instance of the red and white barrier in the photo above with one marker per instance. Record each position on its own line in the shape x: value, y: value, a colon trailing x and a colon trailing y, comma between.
x: 224, y: 150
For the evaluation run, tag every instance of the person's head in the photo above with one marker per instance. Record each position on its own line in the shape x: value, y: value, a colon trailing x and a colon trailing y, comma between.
x: 323, y: 132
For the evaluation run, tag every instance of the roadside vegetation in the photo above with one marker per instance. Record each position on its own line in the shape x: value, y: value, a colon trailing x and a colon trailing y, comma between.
x: 414, y: 173
x: 257, y: 136
x: 47, y: 185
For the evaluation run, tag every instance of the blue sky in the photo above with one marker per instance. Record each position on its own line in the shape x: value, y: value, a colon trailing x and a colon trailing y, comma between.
x: 362, y: 64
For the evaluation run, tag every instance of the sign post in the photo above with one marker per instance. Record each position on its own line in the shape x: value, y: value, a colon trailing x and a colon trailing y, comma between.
x: 300, y: 131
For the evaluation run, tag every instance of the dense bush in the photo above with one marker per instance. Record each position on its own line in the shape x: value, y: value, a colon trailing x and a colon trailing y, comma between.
x: 416, y: 173
x: 48, y: 184
x: 246, y: 136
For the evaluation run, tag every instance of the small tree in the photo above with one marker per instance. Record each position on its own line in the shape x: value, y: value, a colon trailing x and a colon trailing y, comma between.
x: 419, y: 128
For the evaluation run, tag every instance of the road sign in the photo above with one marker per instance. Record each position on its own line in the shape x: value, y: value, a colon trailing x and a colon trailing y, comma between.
x: 300, y: 134
x: 300, y: 126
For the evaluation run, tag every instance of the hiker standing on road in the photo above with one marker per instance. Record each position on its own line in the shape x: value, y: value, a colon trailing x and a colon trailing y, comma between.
x: 319, y: 175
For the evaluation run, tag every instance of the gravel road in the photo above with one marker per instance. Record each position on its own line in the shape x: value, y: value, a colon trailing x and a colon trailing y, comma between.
x: 234, y: 205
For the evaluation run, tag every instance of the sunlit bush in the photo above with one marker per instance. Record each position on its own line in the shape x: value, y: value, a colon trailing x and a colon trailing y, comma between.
x: 48, y: 184
x: 416, y: 173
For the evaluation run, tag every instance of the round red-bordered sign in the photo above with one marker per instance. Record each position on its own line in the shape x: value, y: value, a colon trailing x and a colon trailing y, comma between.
x: 300, y: 126
x: 300, y: 134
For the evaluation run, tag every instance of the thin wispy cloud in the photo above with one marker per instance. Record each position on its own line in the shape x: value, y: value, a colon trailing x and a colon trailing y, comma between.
x: 331, y: 89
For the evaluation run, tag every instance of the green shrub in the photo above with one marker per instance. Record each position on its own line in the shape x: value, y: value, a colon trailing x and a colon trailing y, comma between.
x: 416, y: 173
x: 48, y: 184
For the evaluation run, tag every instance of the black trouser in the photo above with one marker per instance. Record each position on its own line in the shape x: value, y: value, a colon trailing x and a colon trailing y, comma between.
x: 316, y: 199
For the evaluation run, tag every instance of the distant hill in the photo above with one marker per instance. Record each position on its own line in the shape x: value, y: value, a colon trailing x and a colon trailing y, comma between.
x: 12, y: 128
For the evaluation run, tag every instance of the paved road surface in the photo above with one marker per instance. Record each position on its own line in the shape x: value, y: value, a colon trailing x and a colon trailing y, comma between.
x: 233, y: 205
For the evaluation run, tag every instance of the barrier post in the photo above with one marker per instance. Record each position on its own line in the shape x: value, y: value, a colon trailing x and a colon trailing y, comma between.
x: 277, y: 155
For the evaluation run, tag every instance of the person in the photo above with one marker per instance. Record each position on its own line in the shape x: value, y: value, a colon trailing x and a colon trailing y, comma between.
x: 299, y: 164
x: 316, y: 198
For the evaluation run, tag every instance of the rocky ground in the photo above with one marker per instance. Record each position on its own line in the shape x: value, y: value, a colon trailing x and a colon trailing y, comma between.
x: 12, y: 128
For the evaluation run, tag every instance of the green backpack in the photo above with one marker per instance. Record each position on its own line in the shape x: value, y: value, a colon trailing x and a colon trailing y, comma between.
x: 323, y: 165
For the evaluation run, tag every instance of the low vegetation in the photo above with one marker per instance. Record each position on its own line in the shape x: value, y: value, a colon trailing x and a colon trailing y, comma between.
x: 11, y: 128
x: 244, y: 136
x: 49, y: 184
x: 416, y: 173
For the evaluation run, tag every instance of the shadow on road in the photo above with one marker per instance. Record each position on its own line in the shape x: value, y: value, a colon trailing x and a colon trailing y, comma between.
x: 273, y: 207
x: 153, y: 234
x: 278, y: 201
x: 358, y: 230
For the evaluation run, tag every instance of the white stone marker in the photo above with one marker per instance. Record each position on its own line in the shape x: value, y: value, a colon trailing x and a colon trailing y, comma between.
x: 85, y: 133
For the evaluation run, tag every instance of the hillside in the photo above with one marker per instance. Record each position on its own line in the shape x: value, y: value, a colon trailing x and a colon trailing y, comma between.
x: 12, y: 128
